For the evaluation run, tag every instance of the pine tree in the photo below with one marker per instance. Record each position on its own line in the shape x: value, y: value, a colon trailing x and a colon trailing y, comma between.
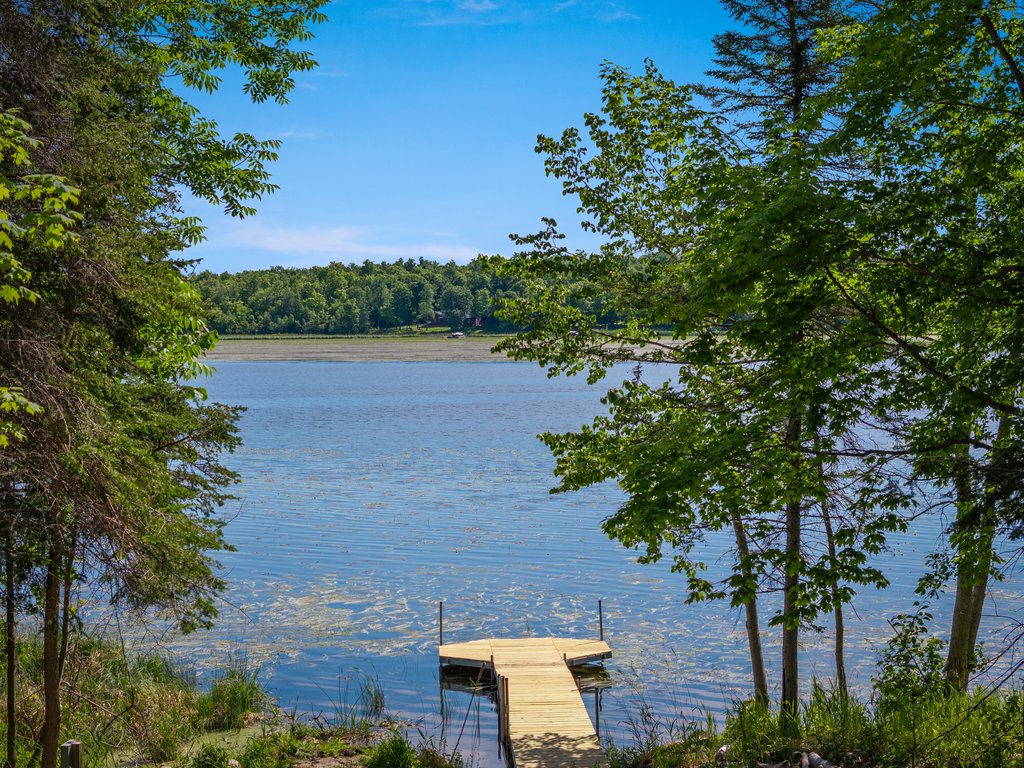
x: 765, y: 77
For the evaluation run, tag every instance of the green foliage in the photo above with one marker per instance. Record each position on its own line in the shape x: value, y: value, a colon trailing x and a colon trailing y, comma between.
x: 837, y: 725
x: 977, y: 729
x: 114, y: 483
x: 309, y: 741
x: 162, y: 726
x: 210, y: 756
x: 393, y: 752
x: 678, y: 742
x: 258, y: 753
x: 139, y: 704
x: 842, y: 284
x: 36, y: 206
x: 371, y: 699
x: 352, y: 299
x: 756, y: 412
x: 753, y: 734
x: 962, y: 729
x: 429, y: 756
x: 234, y: 696
x: 912, y: 664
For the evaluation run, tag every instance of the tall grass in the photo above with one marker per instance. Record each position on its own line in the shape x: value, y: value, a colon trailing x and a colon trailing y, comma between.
x: 235, y: 697
x: 906, y: 727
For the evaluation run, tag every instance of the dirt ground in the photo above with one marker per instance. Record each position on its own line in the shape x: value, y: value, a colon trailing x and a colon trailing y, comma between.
x: 434, y: 348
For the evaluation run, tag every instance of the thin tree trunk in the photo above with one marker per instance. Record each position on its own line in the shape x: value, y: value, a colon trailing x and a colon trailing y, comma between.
x: 961, y: 648
x: 791, y: 586
x: 11, y: 650
x: 840, y: 626
x: 52, y: 637
x: 65, y: 622
x: 973, y: 568
x: 753, y: 624
x: 979, y: 590
x: 51, y: 661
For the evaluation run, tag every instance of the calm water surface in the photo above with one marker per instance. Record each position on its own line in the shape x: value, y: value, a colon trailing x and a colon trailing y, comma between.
x: 371, y: 491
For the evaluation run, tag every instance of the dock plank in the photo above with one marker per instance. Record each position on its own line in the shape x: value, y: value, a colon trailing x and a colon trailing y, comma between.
x: 548, y: 724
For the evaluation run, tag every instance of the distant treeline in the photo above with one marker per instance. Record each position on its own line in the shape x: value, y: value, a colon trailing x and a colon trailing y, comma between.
x: 345, y: 299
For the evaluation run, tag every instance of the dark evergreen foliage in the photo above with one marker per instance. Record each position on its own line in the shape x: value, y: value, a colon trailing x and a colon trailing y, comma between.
x: 767, y: 70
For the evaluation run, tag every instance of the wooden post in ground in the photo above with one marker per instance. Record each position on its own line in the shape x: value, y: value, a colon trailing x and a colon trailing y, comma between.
x: 440, y: 666
x: 71, y: 754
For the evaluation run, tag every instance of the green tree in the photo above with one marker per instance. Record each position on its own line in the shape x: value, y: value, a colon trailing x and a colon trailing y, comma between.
x: 401, y: 310
x: 455, y: 301
x: 481, y: 303
x: 425, y: 306
x: 117, y: 478
x: 765, y: 76
x: 934, y: 95
x: 35, y: 208
x: 683, y: 205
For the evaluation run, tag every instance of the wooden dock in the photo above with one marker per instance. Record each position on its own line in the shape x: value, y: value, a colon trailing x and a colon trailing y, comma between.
x: 541, y: 715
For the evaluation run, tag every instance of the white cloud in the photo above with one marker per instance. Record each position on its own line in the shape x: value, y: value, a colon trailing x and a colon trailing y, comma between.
x: 305, y: 80
x: 617, y: 14
x: 298, y: 134
x: 478, y: 6
x: 490, y: 12
x: 336, y: 243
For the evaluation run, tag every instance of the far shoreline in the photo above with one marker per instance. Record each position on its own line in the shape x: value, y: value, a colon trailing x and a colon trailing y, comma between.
x: 357, y: 349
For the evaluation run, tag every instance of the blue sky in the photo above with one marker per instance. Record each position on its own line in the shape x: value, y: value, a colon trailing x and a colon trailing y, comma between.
x: 415, y: 136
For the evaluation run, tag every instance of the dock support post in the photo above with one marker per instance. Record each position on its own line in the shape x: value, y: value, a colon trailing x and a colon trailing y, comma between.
x: 440, y: 666
x: 600, y: 619
x: 501, y: 708
x: 505, y: 716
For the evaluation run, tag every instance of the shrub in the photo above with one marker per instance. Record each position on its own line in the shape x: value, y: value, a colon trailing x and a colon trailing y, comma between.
x: 837, y: 725
x: 393, y: 752
x: 233, y: 697
x: 210, y: 756
x: 752, y: 733
x: 161, y: 725
x: 258, y: 754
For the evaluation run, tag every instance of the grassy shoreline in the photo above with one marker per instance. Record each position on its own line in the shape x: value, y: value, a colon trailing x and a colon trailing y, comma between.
x: 432, y: 347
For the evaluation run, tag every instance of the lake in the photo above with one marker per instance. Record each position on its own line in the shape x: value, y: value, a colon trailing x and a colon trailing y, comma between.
x: 372, y: 491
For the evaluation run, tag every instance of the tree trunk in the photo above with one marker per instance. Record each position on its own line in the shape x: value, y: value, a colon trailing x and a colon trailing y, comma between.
x: 973, y: 565
x: 840, y: 627
x: 753, y: 624
x: 980, y: 588
x: 11, y: 650
x: 791, y: 586
x: 51, y: 661
x: 65, y: 621
x: 969, y: 578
